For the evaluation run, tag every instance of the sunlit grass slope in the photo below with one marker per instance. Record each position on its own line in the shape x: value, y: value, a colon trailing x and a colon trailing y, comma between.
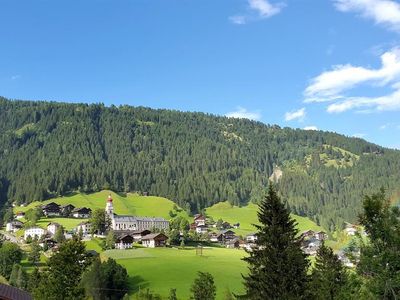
x: 247, y: 215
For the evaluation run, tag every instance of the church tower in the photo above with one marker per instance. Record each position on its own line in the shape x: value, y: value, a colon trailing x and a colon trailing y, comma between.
x: 109, y: 207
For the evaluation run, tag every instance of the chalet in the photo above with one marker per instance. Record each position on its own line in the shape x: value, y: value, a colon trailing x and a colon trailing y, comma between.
x: 20, y: 215
x: 201, y: 229
x: 232, y: 243
x: 321, y: 235
x: 67, y: 209
x: 52, y: 227
x: 154, y: 240
x: 199, y: 220
x: 226, y: 225
x: 251, y: 238
x: 86, y: 228
x: 14, y: 226
x: 8, y: 292
x: 81, y: 212
x: 311, y: 245
x: 222, y: 236
x: 307, y: 234
x: 124, y: 241
x: 34, y: 232
x: 51, y: 209
x: 138, y: 235
x: 48, y: 242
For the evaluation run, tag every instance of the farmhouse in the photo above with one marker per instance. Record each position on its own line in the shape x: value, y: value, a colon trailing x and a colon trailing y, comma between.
x: 85, y: 227
x: 222, y: 236
x: 51, y: 209
x: 20, y: 215
x: 14, y: 226
x: 133, y: 223
x: 154, y: 240
x: 232, y: 243
x: 34, y: 232
x: 251, y: 238
x: 201, y: 229
x: 81, y: 212
x: 321, y: 235
x: 67, y: 209
x: 124, y: 241
x: 52, y: 227
x: 199, y: 220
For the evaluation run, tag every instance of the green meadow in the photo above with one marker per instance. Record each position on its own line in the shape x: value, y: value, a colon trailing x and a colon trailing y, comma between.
x: 164, y: 268
x: 129, y: 204
x: 247, y: 215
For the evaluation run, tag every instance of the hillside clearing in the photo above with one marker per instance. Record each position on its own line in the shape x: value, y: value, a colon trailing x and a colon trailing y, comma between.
x: 247, y: 215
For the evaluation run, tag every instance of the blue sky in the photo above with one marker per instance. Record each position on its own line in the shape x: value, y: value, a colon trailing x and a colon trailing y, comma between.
x: 327, y: 64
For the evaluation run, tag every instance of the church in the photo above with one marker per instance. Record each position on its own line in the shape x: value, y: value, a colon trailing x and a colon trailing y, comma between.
x: 133, y: 223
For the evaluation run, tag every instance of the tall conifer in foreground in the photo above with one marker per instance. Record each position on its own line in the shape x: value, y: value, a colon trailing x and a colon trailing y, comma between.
x: 328, y: 277
x: 278, y: 268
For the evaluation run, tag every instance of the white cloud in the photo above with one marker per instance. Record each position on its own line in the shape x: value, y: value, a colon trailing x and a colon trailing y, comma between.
x: 239, y: 20
x: 330, y: 85
x: 264, y: 8
x: 243, y: 113
x: 383, y: 12
x: 310, y: 128
x: 296, y: 115
x: 15, y: 77
x: 259, y: 9
x: 389, y: 102
x: 360, y: 135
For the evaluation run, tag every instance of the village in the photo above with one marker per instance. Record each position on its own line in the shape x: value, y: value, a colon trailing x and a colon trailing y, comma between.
x: 150, y: 232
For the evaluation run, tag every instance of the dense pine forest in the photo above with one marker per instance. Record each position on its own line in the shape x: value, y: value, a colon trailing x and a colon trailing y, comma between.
x: 49, y: 149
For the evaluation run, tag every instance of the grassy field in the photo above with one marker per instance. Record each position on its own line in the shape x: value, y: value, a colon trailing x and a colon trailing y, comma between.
x: 165, y: 268
x: 130, y: 204
x: 67, y: 223
x: 247, y: 215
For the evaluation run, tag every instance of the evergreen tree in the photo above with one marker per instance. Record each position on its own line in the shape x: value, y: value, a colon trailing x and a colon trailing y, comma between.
x: 59, y: 236
x: 14, y: 275
x: 34, y: 254
x: 278, y: 267
x: 105, y: 280
x: 328, y: 277
x: 99, y: 221
x: 379, y: 263
x: 110, y: 240
x: 61, y: 278
x: 203, y: 287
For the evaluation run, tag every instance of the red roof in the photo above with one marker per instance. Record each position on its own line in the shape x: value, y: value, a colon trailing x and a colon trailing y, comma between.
x: 109, y: 198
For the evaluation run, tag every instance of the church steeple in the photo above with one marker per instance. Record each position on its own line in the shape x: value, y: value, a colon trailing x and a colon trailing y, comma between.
x: 109, y: 207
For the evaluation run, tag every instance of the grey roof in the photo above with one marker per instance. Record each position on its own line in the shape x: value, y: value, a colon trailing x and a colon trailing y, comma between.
x: 11, y: 293
x: 152, y: 236
x: 128, y: 218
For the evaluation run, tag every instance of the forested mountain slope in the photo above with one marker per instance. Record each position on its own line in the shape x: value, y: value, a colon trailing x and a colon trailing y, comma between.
x: 195, y: 159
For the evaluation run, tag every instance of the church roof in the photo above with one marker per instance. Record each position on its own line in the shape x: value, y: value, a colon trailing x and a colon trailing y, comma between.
x: 126, y: 218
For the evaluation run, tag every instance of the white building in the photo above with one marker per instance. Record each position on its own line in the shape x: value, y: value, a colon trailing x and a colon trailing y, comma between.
x: 154, y: 240
x: 251, y: 238
x: 86, y: 228
x: 52, y: 227
x: 14, y: 226
x: 133, y: 223
x: 34, y: 231
x: 201, y: 229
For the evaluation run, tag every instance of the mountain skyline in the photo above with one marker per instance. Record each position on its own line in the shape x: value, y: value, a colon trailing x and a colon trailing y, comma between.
x: 329, y: 65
